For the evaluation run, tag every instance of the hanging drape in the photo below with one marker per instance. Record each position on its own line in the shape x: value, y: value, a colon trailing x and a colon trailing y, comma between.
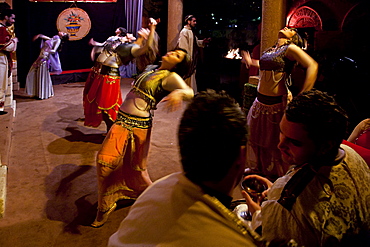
x: 134, y: 13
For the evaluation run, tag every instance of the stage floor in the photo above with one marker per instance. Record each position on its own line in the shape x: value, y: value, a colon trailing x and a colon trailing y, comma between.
x: 52, y: 188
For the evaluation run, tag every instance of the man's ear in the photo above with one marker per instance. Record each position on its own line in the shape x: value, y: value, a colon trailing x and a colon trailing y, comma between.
x: 326, y: 148
x: 242, y: 157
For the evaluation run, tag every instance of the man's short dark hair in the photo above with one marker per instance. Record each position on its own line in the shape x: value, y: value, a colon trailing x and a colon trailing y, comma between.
x: 188, y: 18
x: 324, y: 120
x: 6, y: 12
x: 211, y: 132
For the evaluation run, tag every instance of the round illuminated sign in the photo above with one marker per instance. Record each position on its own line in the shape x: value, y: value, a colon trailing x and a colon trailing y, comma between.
x: 305, y: 17
x: 75, y: 22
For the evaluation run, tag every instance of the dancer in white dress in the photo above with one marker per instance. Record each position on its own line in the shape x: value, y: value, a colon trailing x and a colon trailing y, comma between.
x: 38, y: 81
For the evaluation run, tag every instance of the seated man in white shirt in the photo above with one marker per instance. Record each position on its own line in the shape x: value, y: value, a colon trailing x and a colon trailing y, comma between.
x: 190, y: 208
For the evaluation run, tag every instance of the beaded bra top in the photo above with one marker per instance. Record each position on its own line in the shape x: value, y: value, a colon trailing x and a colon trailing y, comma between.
x: 149, y: 86
x: 274, y: 59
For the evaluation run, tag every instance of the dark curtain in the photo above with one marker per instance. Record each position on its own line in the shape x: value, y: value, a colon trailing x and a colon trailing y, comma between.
x: 34, y: 17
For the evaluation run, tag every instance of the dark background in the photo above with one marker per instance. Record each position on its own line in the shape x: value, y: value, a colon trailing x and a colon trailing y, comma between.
x: 33, y: 18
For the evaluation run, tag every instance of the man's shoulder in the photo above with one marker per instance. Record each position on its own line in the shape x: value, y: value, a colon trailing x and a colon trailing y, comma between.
x: 352, y: 169
x: 363, y: 152
x: 4, y: 35
x: 353, y: 156
x: 185, y: 30
x: 4, y: 31
x: 161, y: 189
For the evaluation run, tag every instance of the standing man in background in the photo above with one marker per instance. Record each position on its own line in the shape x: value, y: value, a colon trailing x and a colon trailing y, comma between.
x: 189, y: 42
x: 8, y: 44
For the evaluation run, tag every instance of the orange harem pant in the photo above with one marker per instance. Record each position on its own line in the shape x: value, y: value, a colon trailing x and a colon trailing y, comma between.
x: 102, y: 93
x: 122, y: 160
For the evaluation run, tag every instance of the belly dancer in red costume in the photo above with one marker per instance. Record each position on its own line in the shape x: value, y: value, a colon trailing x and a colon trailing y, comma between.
x: 102, y: 93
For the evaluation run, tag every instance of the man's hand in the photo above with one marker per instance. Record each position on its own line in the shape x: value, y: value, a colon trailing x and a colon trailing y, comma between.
x: 256, y: 205
x: 252, y: 205
x: 206, y: 41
